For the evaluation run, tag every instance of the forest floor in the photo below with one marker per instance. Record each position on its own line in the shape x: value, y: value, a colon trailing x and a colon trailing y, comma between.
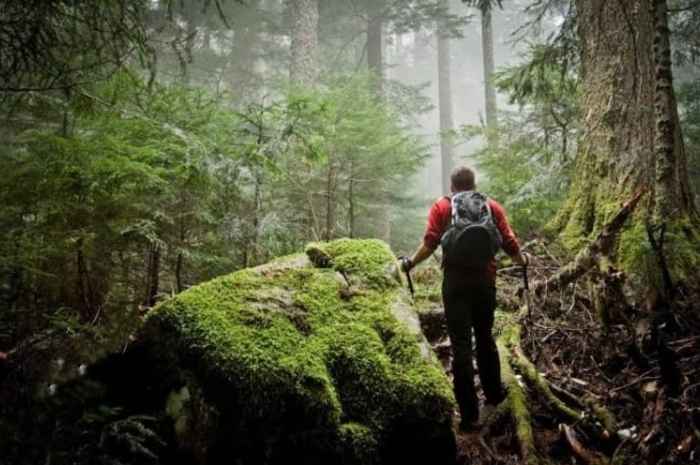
x: 639, y: 399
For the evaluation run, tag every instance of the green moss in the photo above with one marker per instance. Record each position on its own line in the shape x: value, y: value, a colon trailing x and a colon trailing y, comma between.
x: 286, y: 346
x: 358, y: 444
x: 577, y: 225
x: 370, y: 260
x: 636, y: 256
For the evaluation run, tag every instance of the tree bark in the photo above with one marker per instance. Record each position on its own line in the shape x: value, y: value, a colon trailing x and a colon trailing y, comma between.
x: 375, y: 64
x: 180, y: 258
x: 304, y: 67
x: 445, y: 102
x: 351, y: 201
x: 375, y: 45
x: 616, y: 156
x: 240, y: 66
x: 489, y: 68
x: 330, y: 200
x: 669, y: 150
x: 152, y: 276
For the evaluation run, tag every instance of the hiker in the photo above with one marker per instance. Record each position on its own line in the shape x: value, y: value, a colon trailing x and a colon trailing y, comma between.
x: 470, y: 228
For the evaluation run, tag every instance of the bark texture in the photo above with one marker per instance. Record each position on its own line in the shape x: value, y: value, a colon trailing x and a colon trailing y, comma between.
x: 445, y: 102
x: 669, y: 149
x: 375, y: 51
x: 489, y: 67
x: 375, y: 65
x: 616, y: 156
x: 304, y: 68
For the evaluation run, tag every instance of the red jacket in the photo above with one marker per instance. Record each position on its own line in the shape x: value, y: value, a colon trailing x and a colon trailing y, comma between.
x: 440, y: 217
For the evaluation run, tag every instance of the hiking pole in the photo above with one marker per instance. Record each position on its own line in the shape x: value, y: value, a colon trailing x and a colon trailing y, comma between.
x: 410, y: 285
x: 408, y: 276
x: 527, y: 288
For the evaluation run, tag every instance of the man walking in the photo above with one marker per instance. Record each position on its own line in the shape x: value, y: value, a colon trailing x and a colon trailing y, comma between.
x: 471, y: 228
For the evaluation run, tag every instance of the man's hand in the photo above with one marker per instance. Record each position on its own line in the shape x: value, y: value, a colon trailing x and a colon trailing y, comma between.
x: 522, y: 259
x: 406, y: 264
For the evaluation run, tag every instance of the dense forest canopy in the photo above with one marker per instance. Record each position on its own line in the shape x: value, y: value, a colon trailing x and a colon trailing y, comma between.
x: 148, y: 146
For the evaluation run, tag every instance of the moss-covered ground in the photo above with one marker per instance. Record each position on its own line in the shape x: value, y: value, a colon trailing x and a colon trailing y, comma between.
x: 309, y: 359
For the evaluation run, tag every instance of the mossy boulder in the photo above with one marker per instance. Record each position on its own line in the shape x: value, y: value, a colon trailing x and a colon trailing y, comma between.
x: 303, y: 360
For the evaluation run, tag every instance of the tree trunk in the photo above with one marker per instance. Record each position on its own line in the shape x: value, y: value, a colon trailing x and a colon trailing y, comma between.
x: 180, y: 258
x: 351, y: 202
x: 330, y: 200
x: 304, y: 67
x: 84, y: 285
x: 240, y: 66
x: 152, y: 276
x: 251, y: 253
x: 616, y: 156
x: 375, y: 64
x: 488, y: 58
x: 375, y: 50
x: 445, y: 102
x: 669, y: 150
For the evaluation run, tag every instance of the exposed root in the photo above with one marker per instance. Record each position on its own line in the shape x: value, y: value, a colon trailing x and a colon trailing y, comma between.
x: 596, y: 420
x: 585, y: 413
x: 517, y: 405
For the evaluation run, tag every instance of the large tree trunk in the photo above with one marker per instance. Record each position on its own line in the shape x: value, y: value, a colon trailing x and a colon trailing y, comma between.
x: 304, y: 67
x: 240, y: 67
x: 375, y: 45
x: 669, y: 150
x: 616, y: 156
x: 375, y: 64
x: 152, y: 276
x: 445, y: 102
x: 331, y: 186
x: 489, y: 68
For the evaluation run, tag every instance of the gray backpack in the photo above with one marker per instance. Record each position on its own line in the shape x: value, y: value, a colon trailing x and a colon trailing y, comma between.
x: 472, y: 239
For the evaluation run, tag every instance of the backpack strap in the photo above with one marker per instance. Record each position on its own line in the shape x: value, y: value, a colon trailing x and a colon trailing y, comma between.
x: 488, y: 207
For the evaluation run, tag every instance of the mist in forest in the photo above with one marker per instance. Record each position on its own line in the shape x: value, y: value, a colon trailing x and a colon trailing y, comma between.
x: 412, y: 60
x: 409, y: 58
x: 220, y: 240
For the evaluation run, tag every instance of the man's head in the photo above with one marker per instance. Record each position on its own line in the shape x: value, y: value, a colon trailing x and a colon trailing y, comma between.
x: 462, y: 179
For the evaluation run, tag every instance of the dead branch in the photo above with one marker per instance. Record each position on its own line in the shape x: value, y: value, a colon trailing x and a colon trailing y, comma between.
x: 588, y: 457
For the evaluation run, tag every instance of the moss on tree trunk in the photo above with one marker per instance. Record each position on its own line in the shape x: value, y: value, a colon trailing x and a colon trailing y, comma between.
x: 616, y: 155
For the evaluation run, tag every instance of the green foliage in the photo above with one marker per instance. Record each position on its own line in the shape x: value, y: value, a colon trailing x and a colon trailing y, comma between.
x: 636, y: 255
x: 689, y: 106
x: 173, y: 171
x: 538, y: 140
x: 533, y: 192
x: 345, y: 155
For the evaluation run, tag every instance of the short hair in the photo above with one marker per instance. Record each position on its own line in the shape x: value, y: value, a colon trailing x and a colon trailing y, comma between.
x: 462, y: 179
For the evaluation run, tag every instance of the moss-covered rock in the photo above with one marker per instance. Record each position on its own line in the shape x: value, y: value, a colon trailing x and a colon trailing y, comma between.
x: 300, y: 361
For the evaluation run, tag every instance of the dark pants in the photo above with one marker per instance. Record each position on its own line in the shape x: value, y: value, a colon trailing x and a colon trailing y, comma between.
x: 470, y: 305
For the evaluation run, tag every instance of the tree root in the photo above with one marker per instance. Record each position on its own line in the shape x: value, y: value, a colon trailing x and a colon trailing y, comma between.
x: 595, y: 418
x: 583, y: 412
x: 517, y: 405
